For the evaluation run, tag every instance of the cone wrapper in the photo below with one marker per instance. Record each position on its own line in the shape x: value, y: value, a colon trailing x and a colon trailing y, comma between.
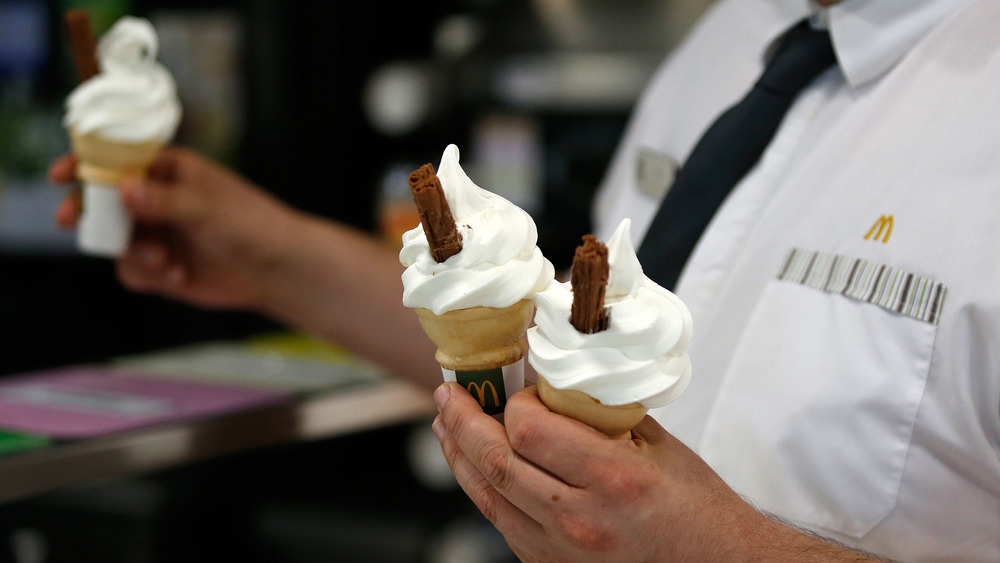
x: 616, y: 421
x: 482, y: 348
x: 105, y: 225
x: 491, y: 387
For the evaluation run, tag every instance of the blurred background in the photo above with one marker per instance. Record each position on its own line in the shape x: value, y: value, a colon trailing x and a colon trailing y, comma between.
x: 329, y: 105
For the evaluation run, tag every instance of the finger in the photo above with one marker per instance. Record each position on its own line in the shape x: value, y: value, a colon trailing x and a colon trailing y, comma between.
x: 68, y: 212
x: 160, y: 201
x: 572, y: 451
x: 649, y: 434
x: 166, y: 166
x: 149, y: 266
x: 483, y: 441
x: 63, y: 170
x: 508, y: 518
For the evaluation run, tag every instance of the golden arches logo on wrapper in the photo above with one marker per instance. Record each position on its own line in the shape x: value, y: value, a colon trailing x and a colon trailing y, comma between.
x: 491, y: 387
x: 482, y: 385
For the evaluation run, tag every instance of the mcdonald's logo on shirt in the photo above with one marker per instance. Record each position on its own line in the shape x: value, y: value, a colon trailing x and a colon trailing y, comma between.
x: 884, y: 223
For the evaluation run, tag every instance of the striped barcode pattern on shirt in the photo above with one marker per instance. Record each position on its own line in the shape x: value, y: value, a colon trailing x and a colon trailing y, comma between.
x: 890, y: 288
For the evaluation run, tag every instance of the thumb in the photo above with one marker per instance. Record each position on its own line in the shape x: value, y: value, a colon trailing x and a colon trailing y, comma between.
x: 158, y: 201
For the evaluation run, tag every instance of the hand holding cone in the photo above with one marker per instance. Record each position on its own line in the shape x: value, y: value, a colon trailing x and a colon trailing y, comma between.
x: 100, y: 109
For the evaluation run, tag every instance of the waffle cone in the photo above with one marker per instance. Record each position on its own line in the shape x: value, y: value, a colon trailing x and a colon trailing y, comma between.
x: 108, y: 162
x: 479, y: 338
x: 614, y: 420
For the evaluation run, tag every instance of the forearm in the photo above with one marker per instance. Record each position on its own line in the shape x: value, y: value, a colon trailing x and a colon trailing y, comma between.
x: 770, y: 539
x: 805, y: 545
x: 343, y: 285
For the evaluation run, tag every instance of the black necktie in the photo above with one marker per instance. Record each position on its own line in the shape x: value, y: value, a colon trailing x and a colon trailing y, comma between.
x: 728, y: 150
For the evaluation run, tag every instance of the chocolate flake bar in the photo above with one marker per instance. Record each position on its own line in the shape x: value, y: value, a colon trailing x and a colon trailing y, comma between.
x: 589, y: 279
x: 435, y: 214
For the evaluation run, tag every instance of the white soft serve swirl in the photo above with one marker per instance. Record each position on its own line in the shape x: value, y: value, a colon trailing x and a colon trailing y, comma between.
x: 640, y: 358
x: 134, y: 98
x: 499, y: 264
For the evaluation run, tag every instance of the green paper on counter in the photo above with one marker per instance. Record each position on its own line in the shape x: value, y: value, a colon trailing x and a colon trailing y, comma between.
x: 11, y: 442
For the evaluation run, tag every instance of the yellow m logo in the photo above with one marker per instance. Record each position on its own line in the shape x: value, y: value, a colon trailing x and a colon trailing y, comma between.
x: 480, y: 392
x: 884, y: 223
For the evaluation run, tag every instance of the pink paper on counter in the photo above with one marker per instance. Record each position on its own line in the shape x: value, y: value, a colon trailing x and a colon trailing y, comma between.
x: 85, y: 402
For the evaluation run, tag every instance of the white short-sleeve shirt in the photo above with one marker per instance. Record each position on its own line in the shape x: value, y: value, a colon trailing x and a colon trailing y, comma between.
x: 846, y: 297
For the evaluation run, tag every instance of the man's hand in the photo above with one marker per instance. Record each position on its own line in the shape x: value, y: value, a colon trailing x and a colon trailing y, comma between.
x: 208, y: 237
x: 561, y: 491
x: 202, y: 231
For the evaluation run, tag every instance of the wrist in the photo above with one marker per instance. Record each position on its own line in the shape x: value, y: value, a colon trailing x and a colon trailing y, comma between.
x: 276, y: 257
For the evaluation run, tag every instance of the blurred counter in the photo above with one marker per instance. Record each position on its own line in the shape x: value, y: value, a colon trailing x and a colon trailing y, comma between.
x: 154, y: 411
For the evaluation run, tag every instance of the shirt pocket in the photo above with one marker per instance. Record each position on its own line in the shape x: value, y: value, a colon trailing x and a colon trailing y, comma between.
x: 817, y: 407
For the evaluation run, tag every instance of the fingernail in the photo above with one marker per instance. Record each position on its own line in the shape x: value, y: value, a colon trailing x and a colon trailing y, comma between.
x: 441, y: 396
x: 438, y: 428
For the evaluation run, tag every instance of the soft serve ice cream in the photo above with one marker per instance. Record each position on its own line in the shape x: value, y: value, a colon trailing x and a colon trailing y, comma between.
x: 640, y: 359
x: 134, y: 98
x: 500, y: 262
x: 118, y: 120
x: 476, y: 304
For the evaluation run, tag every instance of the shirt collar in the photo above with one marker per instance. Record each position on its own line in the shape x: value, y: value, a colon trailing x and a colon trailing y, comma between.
x: 871, y: 36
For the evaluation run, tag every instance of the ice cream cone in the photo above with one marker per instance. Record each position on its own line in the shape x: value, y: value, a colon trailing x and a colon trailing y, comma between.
x: 105, y: 225
x: 480, y: 264
x: 108, y: 162
x: 480, y: 337
x: 482, y: 348
x: 126, y: 95
x: 616, y: 421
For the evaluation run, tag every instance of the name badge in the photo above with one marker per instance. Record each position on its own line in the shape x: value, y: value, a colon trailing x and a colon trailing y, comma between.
x: 654, y: 172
